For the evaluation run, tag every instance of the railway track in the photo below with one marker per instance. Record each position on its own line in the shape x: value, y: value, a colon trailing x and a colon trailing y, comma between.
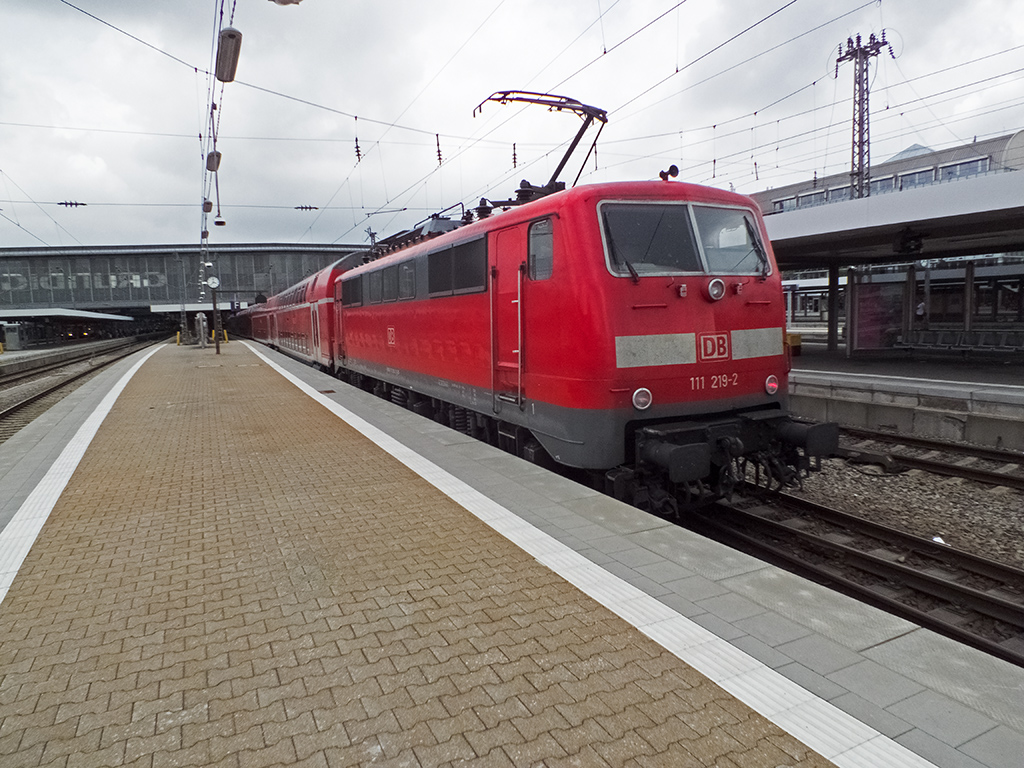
x: 30, y: 393
x: 20, y: 377
x: 972, y: 599
x: 990, y: 466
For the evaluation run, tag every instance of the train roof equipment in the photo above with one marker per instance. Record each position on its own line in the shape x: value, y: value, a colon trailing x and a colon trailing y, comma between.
x: 589, y: 114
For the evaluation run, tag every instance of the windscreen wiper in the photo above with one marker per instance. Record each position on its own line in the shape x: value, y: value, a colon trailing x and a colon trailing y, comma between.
x: 617, y: 257
x: 761, y: 255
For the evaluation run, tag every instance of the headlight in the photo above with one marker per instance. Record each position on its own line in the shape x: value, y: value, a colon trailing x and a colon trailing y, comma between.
x: 716, y: 289
x: 771, y: 384
x: 642, y: 399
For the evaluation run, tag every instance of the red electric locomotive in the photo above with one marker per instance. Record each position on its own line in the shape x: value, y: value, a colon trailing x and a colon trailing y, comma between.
x: 635, y: 330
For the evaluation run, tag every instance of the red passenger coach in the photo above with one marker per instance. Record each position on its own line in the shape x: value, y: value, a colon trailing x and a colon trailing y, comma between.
x: 299, y: 320
x: 631, y: 329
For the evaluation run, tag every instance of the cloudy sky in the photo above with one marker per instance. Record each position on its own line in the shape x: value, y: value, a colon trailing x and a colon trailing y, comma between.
x: 107, y: 103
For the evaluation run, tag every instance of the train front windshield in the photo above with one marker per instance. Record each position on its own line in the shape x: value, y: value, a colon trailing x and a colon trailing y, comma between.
x: 676, y: 238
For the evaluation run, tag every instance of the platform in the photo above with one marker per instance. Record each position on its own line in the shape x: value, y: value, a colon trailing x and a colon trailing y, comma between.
x: 971, y: 401
x: 254, y: 564
x: 24, y: 359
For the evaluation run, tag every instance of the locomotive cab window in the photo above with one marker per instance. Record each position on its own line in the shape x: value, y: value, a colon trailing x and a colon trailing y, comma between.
x: 542, y: 250
x: 730, y: 241
x: 649, y: 238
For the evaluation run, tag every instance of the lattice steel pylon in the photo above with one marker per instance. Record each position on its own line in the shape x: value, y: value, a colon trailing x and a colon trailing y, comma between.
x: 860, y: 54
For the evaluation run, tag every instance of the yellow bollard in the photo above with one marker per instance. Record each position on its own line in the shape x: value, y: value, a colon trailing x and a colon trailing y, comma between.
x: 179, y: 338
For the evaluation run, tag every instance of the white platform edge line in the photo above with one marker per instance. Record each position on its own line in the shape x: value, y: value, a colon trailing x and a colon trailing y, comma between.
x: 23, y: 529
x: 823, y: 716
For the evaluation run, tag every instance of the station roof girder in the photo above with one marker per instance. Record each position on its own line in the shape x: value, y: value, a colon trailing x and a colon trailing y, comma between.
x: 973, y: 216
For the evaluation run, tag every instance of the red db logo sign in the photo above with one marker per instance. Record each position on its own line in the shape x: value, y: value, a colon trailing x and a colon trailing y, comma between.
x: 714, y: 346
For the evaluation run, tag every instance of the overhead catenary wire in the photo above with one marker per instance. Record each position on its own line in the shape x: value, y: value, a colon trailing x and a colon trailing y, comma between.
x: 642, y: 137
x: 748, y: 60
x: 706, y: 54
x: 617, y: 45
x: 430, y: 133
x: 829, y: 106
x: 736, y: 155
x: 60, y: 227
x: 679, y: 136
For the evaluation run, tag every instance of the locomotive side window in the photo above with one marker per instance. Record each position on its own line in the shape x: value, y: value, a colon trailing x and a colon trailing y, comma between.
x: 730, y: 241
x: 469, y: 267
x: 457, y: 270
x: 407, y: 280
x: 376, y: 285
x: 651, y: 238
x: 390, y: 280
x: 439, y: 273
x: 542, y: 250
x: 352, y: 292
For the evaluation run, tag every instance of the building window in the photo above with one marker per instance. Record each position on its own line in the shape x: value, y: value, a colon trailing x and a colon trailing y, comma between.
x: 811, y: 198
x: 964, y: 169
x: 880, y: 186
x: 917, y: 178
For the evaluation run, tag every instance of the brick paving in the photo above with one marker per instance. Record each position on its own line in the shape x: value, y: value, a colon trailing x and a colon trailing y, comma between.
x: 235, y: 577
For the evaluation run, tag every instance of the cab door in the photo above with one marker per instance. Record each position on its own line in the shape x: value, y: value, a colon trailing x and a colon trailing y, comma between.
x: 507, y: 268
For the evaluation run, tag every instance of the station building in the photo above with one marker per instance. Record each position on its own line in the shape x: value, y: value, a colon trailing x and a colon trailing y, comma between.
x: 912, y: 168
x: 924, y: 287
x: 50, y: 294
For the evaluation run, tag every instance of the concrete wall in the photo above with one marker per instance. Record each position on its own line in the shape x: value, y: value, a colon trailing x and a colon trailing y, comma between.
x: 991, y: 416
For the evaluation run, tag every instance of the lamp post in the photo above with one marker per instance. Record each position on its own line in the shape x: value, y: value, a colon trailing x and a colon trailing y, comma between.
x: 184, y: 316
x: 214, y: 284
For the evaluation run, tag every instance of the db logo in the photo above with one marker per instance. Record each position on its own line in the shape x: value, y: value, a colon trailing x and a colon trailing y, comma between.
x: 391, y: 336
x: 714, y: 346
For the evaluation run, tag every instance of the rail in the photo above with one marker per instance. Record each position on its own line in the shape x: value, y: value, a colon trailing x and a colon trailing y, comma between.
x: 976, y: 601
